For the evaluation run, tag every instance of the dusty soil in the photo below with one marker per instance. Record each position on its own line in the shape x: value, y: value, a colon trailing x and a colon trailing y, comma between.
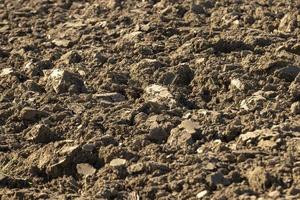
x: 170, y: 99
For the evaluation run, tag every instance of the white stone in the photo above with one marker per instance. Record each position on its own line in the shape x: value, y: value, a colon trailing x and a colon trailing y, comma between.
x: 117, y: 162
x: 238, y: 84
x: 7, y: 71
x: 159, y: 94
x: 202, y: 194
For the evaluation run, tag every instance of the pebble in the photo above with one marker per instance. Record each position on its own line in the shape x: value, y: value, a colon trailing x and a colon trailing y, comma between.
x: 295, y: 108
x: 31, y: 114
x: 159, y: 94
x: 184, y: 134
x: 253, y: 102
x: 62, y: 42
x: 136, y: 168
x: 41, y: 134
x: 294, y: 87
x: 202, y: 194
x: 118, y: 162
x: 7, y: 71
x: 85, y: 169
x: 157, y: 134
x: 237, y: 84
x: 110, y: 97
x: 216, y: 179
x: 274, y: 194
x: 62, y: 80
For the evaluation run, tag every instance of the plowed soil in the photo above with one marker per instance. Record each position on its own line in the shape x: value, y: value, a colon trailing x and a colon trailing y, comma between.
x: 149, y: 99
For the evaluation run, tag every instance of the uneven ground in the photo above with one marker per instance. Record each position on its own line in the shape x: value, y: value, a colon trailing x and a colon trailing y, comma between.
x: 149, y: 99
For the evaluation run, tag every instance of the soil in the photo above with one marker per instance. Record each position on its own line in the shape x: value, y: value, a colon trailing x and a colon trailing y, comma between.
x: 149, y: 99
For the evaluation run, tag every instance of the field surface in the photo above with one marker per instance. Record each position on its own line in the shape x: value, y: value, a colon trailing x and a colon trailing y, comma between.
x: 149, y: 99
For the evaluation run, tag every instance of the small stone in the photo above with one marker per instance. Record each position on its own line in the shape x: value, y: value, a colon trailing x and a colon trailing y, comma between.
x: 136, y: 168
x: 274, y: 194
x: 89, y: 147
x: 157, y: 134
x: 216, y: 179
x: 288, y: 73
x: 294, y: 87
x: 184, y: 134
x: 67, y: 150
x: 62, y: 42
x: 160, y: 95
x: 118, y: 162
x: 295, y: 108
x: 253, y: 102
x: 202, y: 194
x: 190, y: 126
x: 249, y: 136
x: 110, y: 97
x: 7, y: 71
x: 31, y: 114
x: 85, y: 169
x: 62, y: 81
x: 237, y: 84
x: 41, y: 134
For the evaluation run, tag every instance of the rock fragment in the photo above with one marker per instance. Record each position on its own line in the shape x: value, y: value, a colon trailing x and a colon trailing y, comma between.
x: 118, y: 162
x: 136, y: 168
x: 62, y: 81
x: 41, y: 134
x: 62, y: 42
x: 160, y: 95
x: 294, y: 88
x: 31, y: 114
x: 184, y: 134
x: 216, y: 179
x: 85, y: 169
x: 295, y: 108
x: 110, y: 97
x: 288, y: 73
x: 254, y: 102
x: 237, y: 84
x: 157, y: 134
x: 7, y: 71
x: 202, y: 194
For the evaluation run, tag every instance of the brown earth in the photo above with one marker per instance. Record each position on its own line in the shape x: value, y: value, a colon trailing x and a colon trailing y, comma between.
x: 149, y: 99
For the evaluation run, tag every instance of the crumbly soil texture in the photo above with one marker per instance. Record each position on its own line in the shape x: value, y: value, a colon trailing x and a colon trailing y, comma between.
x: 149, y: 99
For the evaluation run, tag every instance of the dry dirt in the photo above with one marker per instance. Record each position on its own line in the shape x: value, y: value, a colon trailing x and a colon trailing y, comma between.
x: 149, y: 99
